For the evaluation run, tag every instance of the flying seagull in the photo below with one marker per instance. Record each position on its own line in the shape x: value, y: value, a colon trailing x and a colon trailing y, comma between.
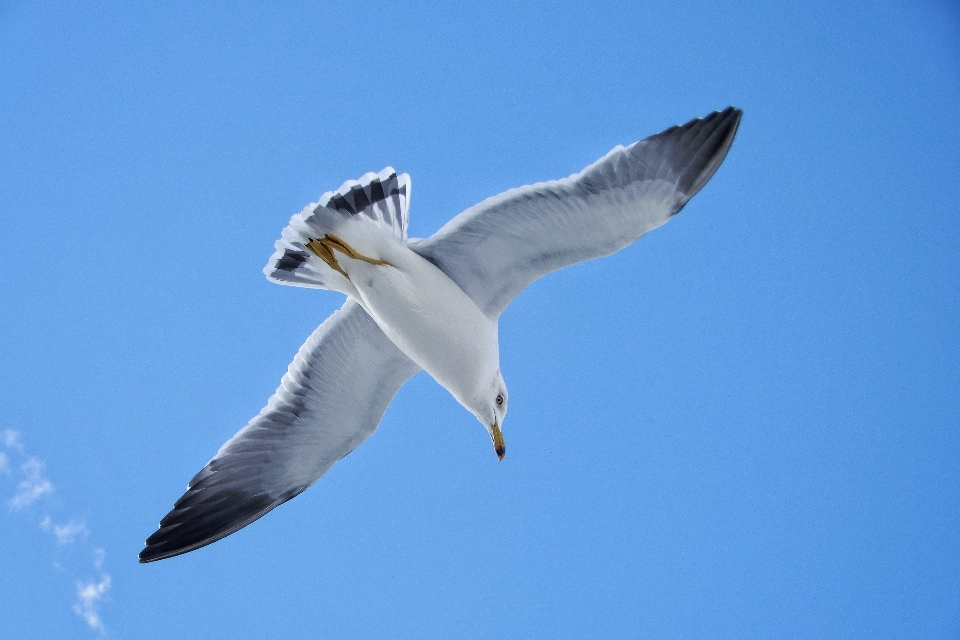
x: 432, y: 304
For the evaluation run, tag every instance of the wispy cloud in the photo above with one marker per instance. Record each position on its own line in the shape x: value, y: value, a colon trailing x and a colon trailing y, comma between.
x: 11, y: 440
x: 32, y: 487
x: 89, y: 596
x: 65, y: 533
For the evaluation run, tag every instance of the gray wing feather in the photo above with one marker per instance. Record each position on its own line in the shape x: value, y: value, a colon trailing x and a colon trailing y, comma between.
x: 331, y: 399
x: 496, y: 248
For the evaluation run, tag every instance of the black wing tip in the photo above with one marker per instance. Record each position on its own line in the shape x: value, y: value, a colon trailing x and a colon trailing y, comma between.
x: 166, y: 543
x: 188, y: 532
x: 715, y: 133
x: 718, y: 130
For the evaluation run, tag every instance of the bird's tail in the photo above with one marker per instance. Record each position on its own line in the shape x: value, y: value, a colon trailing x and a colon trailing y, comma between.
x: 383, y: 198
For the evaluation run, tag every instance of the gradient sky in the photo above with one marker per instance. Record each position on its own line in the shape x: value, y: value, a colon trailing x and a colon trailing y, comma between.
x: 745, y: 425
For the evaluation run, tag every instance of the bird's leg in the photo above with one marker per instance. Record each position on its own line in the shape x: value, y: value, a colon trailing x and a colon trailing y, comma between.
x: 325, y: 253
x: 333, y: 242
x: 324, y: 247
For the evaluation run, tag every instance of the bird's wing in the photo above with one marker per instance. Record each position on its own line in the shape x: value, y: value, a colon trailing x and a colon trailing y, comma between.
x: 331, y: 399
x: 495, y: 249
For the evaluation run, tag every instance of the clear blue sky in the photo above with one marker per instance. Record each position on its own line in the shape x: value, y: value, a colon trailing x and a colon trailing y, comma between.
x: 745, y: 425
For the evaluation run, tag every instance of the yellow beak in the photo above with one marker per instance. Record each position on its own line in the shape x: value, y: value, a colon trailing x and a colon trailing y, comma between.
x: 497, y: 438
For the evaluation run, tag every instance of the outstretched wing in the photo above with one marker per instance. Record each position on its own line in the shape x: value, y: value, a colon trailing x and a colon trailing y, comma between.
x: 495, y: 249
x: 331, y: 399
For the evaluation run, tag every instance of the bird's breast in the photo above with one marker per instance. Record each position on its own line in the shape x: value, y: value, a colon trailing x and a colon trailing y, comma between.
x: 429, y: 318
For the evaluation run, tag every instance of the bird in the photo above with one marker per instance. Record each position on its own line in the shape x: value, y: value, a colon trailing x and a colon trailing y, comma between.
x: 423, y: 304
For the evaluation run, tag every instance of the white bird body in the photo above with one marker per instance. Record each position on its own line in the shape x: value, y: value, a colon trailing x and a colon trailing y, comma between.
x: 430, y: 304
x: 423, y: 312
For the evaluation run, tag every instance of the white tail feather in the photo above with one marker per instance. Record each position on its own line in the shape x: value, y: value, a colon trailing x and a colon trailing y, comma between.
x: 383, y: 198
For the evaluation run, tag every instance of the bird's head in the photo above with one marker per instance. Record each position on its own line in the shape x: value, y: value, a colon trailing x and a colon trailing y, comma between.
x: 491, y: 408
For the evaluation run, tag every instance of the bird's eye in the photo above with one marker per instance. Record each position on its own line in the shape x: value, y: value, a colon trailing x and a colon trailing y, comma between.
x: 499, y: 399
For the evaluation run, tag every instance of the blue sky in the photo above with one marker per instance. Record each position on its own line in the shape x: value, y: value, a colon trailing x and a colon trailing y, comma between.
x: 747, y: 424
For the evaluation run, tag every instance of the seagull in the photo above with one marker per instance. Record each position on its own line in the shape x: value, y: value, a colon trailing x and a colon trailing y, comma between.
x: 429, y: 304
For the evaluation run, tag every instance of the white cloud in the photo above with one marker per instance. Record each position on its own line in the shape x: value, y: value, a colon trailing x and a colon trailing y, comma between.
x: 89, y: 595
x: 11, y: 439
x: 98, y: 557
x: 33, y: 486
x: 65, y: 533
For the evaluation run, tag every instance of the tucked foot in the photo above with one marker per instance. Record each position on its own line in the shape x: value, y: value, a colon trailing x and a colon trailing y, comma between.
x: 324, y: 247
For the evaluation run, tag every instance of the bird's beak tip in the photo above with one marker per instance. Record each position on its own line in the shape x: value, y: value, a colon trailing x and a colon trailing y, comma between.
x: 497, y: 436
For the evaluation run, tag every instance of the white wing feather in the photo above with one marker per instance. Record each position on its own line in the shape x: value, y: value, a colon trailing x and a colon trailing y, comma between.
x: 331, y: 399
x: 495, y: 249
